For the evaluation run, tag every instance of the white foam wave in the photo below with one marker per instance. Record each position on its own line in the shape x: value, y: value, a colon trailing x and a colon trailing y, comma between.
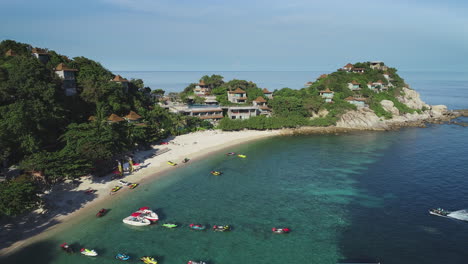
x: 460, y: 215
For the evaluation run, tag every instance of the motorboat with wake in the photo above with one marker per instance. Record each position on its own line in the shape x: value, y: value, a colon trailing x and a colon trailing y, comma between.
x: 439, y: 212
x: 67, y: 248
x: 148, y: 260
x: 147, y: 213
x: 88, y: 252
x: 136, y: 219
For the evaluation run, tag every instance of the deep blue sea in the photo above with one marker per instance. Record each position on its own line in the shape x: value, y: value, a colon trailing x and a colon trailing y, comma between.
x: 360, y: 196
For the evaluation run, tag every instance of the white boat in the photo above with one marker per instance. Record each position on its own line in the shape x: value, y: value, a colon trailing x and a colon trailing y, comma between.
x: 136, y: 220
x: 196, y: 262
x: 88, y: 252
x: 147, y: 213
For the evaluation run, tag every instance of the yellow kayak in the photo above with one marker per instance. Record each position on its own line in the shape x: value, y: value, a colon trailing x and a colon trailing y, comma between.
x: 242, y: 156
x: 171, y: 163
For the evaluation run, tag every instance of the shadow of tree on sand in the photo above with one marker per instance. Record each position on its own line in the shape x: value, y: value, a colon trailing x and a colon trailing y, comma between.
x: 43, y: 252
x: 18, y: 228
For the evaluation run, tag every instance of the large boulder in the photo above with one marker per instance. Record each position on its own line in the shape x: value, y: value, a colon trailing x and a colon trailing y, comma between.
x: 363, y: 118
x: 390, y: 107
x: 412, y: 99
x: 438, y: 111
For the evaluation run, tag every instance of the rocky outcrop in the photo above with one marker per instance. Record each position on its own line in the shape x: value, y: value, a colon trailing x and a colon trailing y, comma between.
x: 390, y: 107
x: 412, y: 99
x: 321, y: 113
x: 363, y: 118
x: 438, y: 111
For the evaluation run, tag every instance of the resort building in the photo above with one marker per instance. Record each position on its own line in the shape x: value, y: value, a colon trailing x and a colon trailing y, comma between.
x: 359, y: 102
x: 122, y: 81
x: 267, y: 93
x: 261, y: 103
x: 132, y: 117
x: 386, y: 75
x: 327, y: 94
x: 307, y: 84
x: 113, y: 118
x: 377, y: 86
x: 237, y: 96
x: 10, y: 53
x: 358, y: 70
x: 40, y: 54
x: 354, y: 86
x: 242, y: 112
x: 348, y: 67
x: 210, y: 100
x: 68, y: 78
x: 379, y: 65
x: 323, y: 76
x: 202, y: 89
x: 212, y: 114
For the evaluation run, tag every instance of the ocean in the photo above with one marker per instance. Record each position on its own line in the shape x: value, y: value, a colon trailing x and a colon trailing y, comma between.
x: 361, y: 196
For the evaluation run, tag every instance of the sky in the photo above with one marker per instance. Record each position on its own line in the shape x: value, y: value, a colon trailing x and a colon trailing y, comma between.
x: 245, y: 35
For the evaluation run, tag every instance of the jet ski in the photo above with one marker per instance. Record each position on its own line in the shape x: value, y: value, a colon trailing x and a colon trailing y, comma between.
x: 197, y: 226
x: 121, y: 256
x: 221, y: 228
x: 280, y: 230
x: 124, y: 183
x: 196, y: 262
x: 439, y: 212
x: 171, y: 163
x: 169, y: 225
x: 133, y: 185
x: 230, y: 154
x: 242, y: 156
x: 148, y: 260
x: 216, y: 173
x: 115, y: 189
x: 185, y: 160
x: 88, y: 252
x: 101, y: 212
x: 66, y: 248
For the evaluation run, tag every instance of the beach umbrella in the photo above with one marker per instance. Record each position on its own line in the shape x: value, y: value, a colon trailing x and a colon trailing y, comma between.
x: 130, y: 163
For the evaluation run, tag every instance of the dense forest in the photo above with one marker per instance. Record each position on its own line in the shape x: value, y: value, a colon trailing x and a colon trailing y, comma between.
x: 47, y: 133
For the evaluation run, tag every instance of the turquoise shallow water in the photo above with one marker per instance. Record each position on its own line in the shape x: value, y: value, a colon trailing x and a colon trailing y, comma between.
x: 354, y: 196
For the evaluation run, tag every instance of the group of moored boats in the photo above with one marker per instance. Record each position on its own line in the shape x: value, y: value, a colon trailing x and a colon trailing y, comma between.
x: 142, y: 217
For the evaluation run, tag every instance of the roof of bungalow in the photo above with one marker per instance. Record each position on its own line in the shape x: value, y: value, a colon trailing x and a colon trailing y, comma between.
x: 379, y: 81
x: 354, y: 82
x: 350, y: 98
x: 115, y: 118
x: 119, y: 78
x: 91, y: 118
x: 202, y: 82
x: 358, y: 69
x: 260, y: 100
x: 10, y: 52
x: 309, y: 83
x: 237, y: 91
x: 63, y: 67
x: 132, y: 116
x: 265, y: 91
x: 349, y: 65
x: 327, y: 91
x: 322, y: 76
x: 39, y: 51
x: 207, y: 110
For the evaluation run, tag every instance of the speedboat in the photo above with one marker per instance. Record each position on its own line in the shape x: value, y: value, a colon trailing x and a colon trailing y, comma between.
x: 439, y: 212
x: 122, y: 256
x: 197, y: 226
x: 221, y: 228
x: 230, y: 154
x: 185, y: 160
x: 242, y: 156
x: 196, y: 262
x: 66, y: 248
x: 171, y: 163
x: 283, y: 230
x: 169, y: 225
x: 216, y: 173
x: 147, y: 213
x: 148, y: 260
x: 88, y: 252
x: 136, y: 220
x: 101, y: 212
x: 133, y: 185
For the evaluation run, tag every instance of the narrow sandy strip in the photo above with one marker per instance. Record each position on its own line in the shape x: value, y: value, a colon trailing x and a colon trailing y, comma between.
x: 193, y: 146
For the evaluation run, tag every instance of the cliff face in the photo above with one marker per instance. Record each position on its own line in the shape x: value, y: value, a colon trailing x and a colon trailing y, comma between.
x: 366, y: 119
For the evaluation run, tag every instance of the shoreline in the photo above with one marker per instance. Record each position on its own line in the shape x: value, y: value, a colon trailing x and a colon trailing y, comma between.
x: 55, y: 218
x: 194, y: 146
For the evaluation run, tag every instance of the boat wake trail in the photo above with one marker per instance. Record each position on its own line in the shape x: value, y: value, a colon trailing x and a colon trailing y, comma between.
x: 460, y: 215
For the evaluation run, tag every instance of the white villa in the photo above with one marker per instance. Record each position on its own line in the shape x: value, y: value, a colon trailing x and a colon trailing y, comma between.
x: 122, y: 81
x: 354, y: 86
x: 327, y: 94
x: 242, y: 112
x: 267, y: 93
x: 68, y: 78
x: 237, y: 96
x: 359, y: 102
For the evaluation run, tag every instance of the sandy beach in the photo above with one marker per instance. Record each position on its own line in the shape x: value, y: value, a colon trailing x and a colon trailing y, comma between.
x: 69, y: 200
